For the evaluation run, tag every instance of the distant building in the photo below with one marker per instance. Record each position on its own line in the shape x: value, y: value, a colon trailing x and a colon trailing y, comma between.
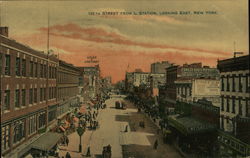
x: 89, y: 76
x: 160, y: 67
x: 235, y: 106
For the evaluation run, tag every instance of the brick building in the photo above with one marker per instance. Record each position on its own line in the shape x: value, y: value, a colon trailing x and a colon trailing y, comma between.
x: 28, y: 94
x: 235, y: 106
x: 67, y: 84
x: 186, y: 71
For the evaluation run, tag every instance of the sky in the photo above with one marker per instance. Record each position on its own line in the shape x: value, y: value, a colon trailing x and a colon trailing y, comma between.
x: 137, y: 33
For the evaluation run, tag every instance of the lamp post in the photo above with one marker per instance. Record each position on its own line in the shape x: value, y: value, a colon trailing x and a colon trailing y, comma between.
x: 80, y: 131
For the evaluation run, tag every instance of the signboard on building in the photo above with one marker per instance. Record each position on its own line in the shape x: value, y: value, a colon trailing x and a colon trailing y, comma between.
x: 206, y: 87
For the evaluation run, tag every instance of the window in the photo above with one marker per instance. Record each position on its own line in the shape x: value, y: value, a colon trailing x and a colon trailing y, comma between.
x: 36, y: 69
x: 32, y: 124
x: 233, y: 78
x: 31, y: 69
x: 23, y: 97
x: 5, y: 138
x: 41, y: 70
x: 23, y: 67
x: 7, y: 64
x: 19, y: 131
x: 7, y: 100
x: 17, y: 68
x: 44, y: 94
x: 41, y: 120
x: 31, y: 96
x: 240, y: 107
x: 227, y: 104
x: 233, y: 105
x: 41, y: 94
x: 52, y: 115
x: 35, y: 95
x: 222, y: 83
x: 228, y: 85
x: 45, y: 71
x: 240, y: 84
x: 222, y: 103
x: 17, y: 98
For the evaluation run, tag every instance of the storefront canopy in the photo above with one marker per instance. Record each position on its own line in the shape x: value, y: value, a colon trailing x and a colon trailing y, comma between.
x: 46, y: 141
x: 189, y: 125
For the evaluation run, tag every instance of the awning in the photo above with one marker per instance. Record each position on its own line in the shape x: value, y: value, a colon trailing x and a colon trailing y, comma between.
x: 190, y: 125
x: 46, y: 141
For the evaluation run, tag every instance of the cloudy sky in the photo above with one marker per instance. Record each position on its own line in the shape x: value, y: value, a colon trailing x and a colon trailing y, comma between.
x: 124, y: 42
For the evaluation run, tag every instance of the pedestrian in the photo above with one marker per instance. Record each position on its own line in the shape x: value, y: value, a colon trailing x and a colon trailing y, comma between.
x: 88, y: 152
x: 156, y: 144
x: 67, y: 140
x: 126, y: 128
x: 67, y: 155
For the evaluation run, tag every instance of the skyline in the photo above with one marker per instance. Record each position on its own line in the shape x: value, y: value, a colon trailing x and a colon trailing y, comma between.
x: 134, y: 40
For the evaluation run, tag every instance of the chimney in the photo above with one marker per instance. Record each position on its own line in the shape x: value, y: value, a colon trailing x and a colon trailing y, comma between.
x: 4, y: 31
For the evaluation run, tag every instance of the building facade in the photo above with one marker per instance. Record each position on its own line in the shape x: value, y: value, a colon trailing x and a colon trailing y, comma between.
x: 159, y: 67
x: 235, y: 105
x: 189, y: 90
x: 67, y: 87
x: 28, y: 94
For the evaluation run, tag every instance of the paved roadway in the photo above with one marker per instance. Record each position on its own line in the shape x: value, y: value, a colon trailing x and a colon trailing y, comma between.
x: 137, y: 142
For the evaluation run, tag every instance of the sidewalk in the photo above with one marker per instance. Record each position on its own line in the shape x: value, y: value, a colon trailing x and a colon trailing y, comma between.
x: 74, y: 141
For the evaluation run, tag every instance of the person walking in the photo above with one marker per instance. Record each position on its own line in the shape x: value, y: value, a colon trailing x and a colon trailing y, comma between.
x: 67, y: 141
x: 126, y: 128
x: 67, y: 155
x: 88, y: 152
x: 156, y: 144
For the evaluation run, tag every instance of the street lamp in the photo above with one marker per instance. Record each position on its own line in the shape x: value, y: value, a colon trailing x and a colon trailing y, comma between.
x: 80, y: 131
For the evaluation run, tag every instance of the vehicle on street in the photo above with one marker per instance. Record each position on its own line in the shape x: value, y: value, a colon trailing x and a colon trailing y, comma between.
x: 120, y: 105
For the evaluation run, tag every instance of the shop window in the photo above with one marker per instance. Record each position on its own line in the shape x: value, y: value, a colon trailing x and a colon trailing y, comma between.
x: 18, y: 131
x: 41, y: 120
x: 5, y: 138
x: 32, y: 124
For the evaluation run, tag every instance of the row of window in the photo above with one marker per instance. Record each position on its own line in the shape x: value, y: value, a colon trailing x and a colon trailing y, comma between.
x: 20, y: 95
x: 18, y: 129
x: 235, y: 83
x: 67, y: 92
x: 226, y: 102
x: 67, y: 78
x: 185, y: 91
x: 35, y: 69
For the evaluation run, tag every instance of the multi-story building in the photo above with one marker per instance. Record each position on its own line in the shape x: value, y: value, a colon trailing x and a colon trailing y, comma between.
x: 90, y: 81
x: 140, y: 78
x: 28, y: 94
x: 159, y: 67
x: 190, y: 90
x: 235, y: 106
x: 67, y: 87
x: 195, y: 70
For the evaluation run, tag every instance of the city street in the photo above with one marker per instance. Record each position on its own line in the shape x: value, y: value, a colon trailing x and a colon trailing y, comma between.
x: 137, y: 142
